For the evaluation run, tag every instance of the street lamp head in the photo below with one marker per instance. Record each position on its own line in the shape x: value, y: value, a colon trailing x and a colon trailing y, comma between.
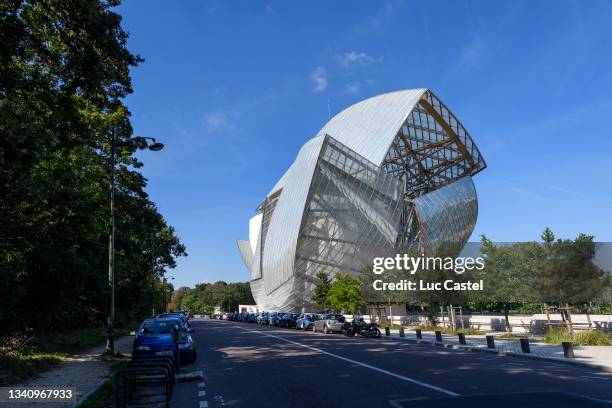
x: 156, y: 146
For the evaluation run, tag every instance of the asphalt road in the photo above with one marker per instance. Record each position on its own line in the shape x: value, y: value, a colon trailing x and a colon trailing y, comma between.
x: 246, y: 365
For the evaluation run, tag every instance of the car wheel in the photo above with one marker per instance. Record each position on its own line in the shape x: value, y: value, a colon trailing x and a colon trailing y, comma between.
x: 325, y: 330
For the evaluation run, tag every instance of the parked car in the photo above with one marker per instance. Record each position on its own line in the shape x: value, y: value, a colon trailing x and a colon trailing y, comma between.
x: 158, y: 334
x: 263, y: 318
x: 182, y: 316
x: 329, y: 323
x: 287, y: 320
x: 253, y: 317
x: 273, y: 318
x: 305, y: 321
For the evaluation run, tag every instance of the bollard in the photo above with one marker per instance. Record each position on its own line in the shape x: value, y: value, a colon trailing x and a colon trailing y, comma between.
x: 525, y: 345
x: 419, y: 335
x: 568, y: 350
x: 438, y: 335
x: 461, y: 338
x: 401, y: 331
x: 387, y: 331
x: 490, y: 342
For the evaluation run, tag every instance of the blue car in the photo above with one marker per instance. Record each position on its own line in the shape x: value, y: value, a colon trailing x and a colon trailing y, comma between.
x: 157, y: 335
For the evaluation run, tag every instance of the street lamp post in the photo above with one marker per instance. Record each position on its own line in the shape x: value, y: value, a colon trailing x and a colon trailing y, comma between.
x: 143, y: 144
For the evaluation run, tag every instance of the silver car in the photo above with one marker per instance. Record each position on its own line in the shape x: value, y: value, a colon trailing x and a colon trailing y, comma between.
x: 329, y: 323
x: 305, y: 321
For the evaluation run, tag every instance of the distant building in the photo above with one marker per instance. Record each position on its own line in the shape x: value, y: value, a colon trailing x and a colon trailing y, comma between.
x: 388, y: 174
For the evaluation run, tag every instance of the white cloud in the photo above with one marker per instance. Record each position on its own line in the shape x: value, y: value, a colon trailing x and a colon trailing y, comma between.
x: 473, y: 53
x: 357, y: 58
x: 220, y: 120
x: 319, y: 77
x: 352, y: 88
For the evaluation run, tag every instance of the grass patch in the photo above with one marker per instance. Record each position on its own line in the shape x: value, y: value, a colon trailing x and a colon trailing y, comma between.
x: 508, y: 336
x: 583, y: 338
x: 19, y: 365
x: 105, y: 395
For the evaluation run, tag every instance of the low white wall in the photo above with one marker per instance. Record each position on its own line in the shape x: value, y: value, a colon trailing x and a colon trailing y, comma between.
x: 535, y: 323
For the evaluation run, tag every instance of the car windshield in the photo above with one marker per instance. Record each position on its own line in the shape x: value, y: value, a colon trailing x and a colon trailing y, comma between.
x: 332, y: 317
x: 158, y: 326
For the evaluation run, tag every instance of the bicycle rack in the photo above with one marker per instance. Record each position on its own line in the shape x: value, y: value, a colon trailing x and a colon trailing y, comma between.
x: 147, y: 381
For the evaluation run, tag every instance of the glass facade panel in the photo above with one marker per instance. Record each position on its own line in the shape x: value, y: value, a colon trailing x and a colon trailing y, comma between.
x: 339, y: 209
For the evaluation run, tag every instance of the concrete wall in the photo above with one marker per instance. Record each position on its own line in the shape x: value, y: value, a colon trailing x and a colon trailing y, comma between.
x: 535, y: 324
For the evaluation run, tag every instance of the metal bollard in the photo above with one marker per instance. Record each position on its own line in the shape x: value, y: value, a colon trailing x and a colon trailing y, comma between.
x: 438, y: 335
x: 568, y: 349
x: 419, y: 335
x: 401, y: 331
x: 490, y: 342
x: 525, y: 345
x: 387, y: 331
x: 461, y: 338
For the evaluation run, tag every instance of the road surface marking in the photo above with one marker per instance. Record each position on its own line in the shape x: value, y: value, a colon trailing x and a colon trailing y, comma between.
x: 203, y: 404
x: 371, y: 367
x: 201, y: 393
x: 201, y: 385
x: 397, y: 403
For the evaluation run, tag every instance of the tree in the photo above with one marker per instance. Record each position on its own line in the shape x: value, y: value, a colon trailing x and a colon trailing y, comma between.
x: 569, y: 276
x: 320, y: 293
x: 504, y: 278
x: 547, y: 236
x: 226, y: 295
x: 345, y: 293
x: 64, y: 70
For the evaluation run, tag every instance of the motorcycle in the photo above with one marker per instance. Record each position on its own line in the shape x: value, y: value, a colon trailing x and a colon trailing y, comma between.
x: 362, y: 328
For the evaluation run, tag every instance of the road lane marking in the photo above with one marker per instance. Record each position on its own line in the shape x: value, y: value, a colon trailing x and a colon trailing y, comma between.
x: 203, y: 404
x: 201, y: 393
x: 201, y: 385
x: 359, y: 363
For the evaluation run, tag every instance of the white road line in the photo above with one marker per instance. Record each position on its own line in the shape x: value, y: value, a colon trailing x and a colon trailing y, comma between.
x: 201, y: 393
x: 371, y: 367
x: 203, y: 404
x: 201, y: 385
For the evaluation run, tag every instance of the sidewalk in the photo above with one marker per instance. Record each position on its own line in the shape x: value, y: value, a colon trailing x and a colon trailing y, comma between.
x: 591, y: 356
x: 83, y: 372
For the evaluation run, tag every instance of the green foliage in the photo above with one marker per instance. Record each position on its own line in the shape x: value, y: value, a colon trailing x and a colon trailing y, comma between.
x: 432, y: 315
x: 64, y: 70
x: 560, y: 272
x: 547, y: 236
x: 25, y: 363
x: 228, y: 296
x: 345, y: 293
x: 592, y: 338
x: 583, y: 338
x: 321, y: 290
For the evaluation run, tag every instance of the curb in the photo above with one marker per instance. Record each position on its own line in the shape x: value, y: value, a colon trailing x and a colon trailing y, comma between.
x: 90, y: 392
x: 505, y: 354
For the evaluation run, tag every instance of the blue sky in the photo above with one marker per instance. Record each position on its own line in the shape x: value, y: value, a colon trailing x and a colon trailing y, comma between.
x: 234, y: 88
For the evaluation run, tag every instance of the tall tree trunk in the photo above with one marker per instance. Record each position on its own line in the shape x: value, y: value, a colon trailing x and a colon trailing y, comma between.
x: 588, y: 315
x: 505, y: 309
x: 424, y: 314
x: 548, y: 322
x: 570, y: 327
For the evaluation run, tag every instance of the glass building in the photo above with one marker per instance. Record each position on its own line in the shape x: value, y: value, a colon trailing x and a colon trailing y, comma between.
x: 390, y: 174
